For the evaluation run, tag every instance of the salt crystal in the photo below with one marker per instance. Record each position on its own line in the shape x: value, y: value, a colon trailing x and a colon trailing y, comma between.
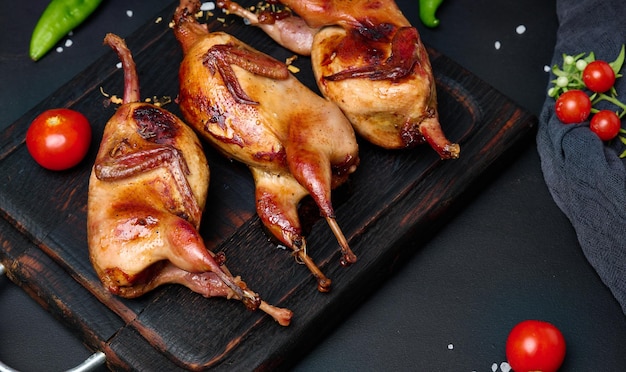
x: 59, y: 49
x: 118, y: 65
x: 494, y: 367
x: 546, y: 68
x: 497, y: 45
x: 208, y: 6
x: 450, y: 346
x: 68, y: 43
x: 505, y: 367
x: 520, y: 29
x: 129, y: 13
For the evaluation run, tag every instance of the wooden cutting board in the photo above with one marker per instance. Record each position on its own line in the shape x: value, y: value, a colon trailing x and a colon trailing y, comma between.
x: 392, y: 205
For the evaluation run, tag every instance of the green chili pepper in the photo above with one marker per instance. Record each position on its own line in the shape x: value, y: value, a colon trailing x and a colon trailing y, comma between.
x: 428, y: 8
x: 57, y: 20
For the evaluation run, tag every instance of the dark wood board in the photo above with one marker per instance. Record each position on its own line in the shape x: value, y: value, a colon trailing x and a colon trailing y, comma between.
x: 393, y: 203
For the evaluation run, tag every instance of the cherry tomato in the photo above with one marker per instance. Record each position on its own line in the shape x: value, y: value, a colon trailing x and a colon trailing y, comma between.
x: 573, y: 106
x: 58, y: 139
x: 534, y: 345
x: 598, y: 76
x: 606, y: 124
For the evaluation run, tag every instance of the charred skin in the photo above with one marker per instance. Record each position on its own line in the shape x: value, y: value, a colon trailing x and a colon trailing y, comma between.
x: 370, y: 61
x: 291, y: 32
x: 147, y: 191
x: 248, y: 106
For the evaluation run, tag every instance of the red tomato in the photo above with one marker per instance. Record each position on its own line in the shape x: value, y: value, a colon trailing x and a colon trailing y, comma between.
x: 573, y: 106
x: 59, y: 138
x: 534, y: 345
x: 606, y: 124
x: 598, y: 76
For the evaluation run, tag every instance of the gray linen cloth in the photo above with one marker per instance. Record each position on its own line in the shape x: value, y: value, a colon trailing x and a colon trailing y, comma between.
x: 585, y: 176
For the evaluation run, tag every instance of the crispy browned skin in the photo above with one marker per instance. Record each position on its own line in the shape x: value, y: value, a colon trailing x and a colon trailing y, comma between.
x: 370, y: 61
x: 251, y: 108
x: 147, y: 191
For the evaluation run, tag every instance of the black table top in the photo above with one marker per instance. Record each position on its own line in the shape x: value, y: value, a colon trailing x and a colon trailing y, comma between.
x: 508, y: 255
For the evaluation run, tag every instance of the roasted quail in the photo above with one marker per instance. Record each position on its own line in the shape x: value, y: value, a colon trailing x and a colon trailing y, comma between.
x: 251, y: 108
x: 369, y: 60
x: 147, y: 191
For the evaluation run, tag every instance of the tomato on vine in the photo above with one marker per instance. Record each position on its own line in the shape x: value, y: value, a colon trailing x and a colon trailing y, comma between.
x: 534, y: 345
x: 599, y: 76
x: 596, y: 79
x: 573, y: 106
x: 606, y: 124
x: 59, y: 139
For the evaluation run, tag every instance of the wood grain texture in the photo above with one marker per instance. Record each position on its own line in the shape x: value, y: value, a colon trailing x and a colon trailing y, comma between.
x: 394, y: 202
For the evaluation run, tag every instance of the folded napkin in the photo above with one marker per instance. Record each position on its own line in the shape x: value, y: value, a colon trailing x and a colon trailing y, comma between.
x: 585, y: 176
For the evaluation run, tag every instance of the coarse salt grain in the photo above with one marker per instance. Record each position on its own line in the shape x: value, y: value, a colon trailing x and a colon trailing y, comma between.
x: 505, y: 367
x: 546, y: 68
x: 450, y: 346
x: 208, y: 6
x: 497, y: 45
x: 118, y: 65
x: 520, y: 29
x: 129, y: 13
x: 68, y: 43
x: 494, y: 367
x: 59, y: 49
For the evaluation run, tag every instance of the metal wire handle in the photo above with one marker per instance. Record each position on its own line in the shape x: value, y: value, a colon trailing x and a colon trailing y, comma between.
x: 95, y: 360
